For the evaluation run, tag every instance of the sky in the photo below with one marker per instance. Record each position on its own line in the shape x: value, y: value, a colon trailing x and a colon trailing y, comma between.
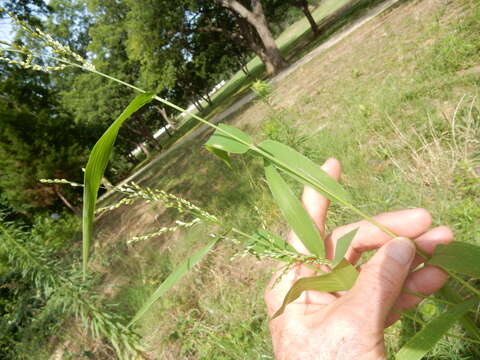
x: 5, y: 29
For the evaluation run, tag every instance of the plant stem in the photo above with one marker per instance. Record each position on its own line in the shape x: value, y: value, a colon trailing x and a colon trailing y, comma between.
x: 463, y: 282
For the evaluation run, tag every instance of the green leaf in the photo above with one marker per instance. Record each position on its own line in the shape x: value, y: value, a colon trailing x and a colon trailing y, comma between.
x: 96, y: 165
x: 339, y: 279
x: 173, y: 278
x: 425, y: 339
x: 342, y: 246
x: 294, y: 212
x: 222, y: 155
x: 226, y: 140
x: 305, y: 171
x: 450, y: 294
x: 459, y: 257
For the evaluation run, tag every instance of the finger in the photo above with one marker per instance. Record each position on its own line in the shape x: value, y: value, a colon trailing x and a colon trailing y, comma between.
x: 316, y: 204
x: 425, y: 281
x: 381, y: 280
x: 409, y: 223
x: 429, y: 240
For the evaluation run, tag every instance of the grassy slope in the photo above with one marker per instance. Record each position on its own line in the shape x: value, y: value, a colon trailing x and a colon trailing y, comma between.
x: 396, y: 102
x: 294, y: 42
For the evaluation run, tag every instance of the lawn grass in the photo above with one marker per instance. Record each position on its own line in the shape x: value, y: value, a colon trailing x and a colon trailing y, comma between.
x: 396, y: 102
x: 293, y: 43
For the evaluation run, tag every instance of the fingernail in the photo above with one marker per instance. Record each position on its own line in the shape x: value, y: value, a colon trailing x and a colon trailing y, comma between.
x: 401, y: 250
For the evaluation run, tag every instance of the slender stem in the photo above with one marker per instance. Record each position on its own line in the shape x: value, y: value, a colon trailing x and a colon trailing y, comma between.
x: 463, y: 282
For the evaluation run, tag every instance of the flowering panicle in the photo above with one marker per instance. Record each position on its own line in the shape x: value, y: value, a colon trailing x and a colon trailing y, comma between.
x: 179, y: 224
x: 134, y: 191
x: 60, y: 181
x: 52, y: 48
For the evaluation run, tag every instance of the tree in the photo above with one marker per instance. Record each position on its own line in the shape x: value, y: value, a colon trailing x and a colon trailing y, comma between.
x: 253, y: 29
x: 95, y: 101
x: 27, y: 10
x: 303, y: 5
x: 37, y: 140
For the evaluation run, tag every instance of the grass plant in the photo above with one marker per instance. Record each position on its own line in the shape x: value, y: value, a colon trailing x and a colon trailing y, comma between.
x: 439, y: 150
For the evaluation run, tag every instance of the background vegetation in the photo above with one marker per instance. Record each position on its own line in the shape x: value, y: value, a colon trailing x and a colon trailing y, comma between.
x: 396, y: 102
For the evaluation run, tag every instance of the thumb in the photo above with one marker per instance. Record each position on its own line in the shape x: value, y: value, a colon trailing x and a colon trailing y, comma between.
x: 381, y: 279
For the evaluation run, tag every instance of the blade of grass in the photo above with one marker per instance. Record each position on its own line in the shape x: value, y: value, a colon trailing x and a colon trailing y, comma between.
x: 96, y: 165
x: 457, y: 256
x: 468, y: 324
x: 298, y: 163
x: 294, y: 212
x: 226, y: 140
x: 340, y: 279
x: 342, y: 246
x: 173, y: 278
x: 222, y: 155
x: 425, y: 339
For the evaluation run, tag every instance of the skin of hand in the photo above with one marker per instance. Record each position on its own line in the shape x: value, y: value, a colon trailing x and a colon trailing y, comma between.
x: 350, y: 325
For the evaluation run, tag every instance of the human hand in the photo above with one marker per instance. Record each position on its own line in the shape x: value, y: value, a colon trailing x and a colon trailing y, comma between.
x: 350, y: 325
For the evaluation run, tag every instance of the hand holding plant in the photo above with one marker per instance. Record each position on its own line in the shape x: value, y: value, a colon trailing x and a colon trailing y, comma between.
x: 350, y: 325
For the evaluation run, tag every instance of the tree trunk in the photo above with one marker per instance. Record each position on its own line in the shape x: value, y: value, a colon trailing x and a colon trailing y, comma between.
x: 275, y: 59
x: 269, y: 65
x: 303, y: 4
x: 144, y: 149
x: 207, y: 98
x: 243, y: 67
x: 271, y: 55
x: 165, y: 116
x: 198, y: 105
x: 132, y: 159
x: 167, y: 131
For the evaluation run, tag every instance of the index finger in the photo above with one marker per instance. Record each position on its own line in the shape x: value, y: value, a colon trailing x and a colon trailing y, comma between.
x: 409, y: 223
x: 316, y: 205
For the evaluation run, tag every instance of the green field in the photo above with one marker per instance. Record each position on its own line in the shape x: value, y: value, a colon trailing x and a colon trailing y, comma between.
x: 396, y: 102
x: 294, y: 42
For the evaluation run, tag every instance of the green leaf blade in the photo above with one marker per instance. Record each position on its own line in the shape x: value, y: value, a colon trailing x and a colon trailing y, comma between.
x: 294, y: 212
x: 459, y: 257
x: 311, y: 174
x: 174, y: 277
x: 425, y: 339
x: 341, y: 278
x: 342, y: 246
x: 96, y: 165
x: 222, y: 155
x: 227, y: 140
